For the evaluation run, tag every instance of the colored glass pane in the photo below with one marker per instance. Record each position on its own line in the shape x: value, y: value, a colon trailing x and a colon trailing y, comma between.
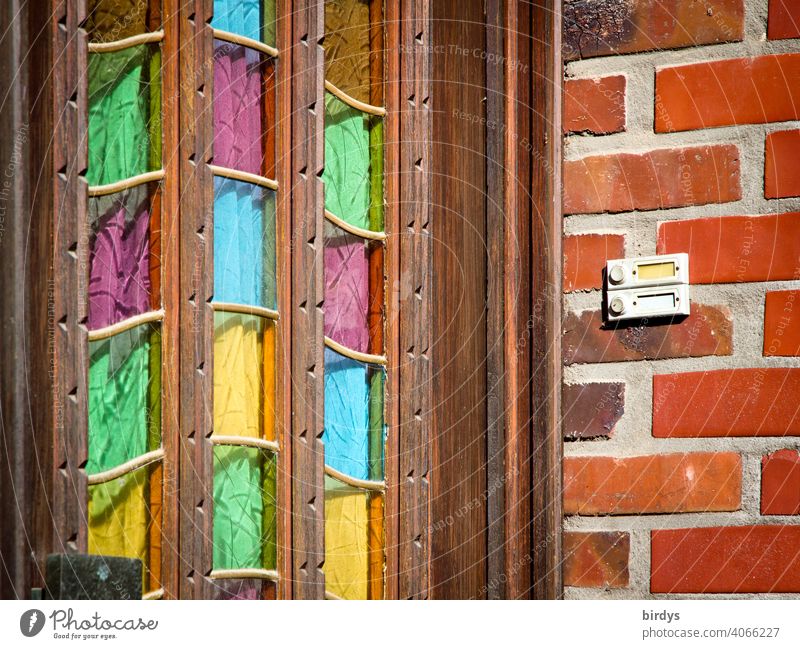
x: 113, y: 20
x: 244, y: 109
x: 244, y: 243
x: 124, y: 397
x: 123, y: 255
x: 350, y: 184
x: 352, y: 446
x: 346, y: 288
x: 244, y: 375
x: 251, y: 18
x: 245, y: 514
x: 347, y: 47
x: 124, y: 113
x: 123, y: 521
x: 354, y: 555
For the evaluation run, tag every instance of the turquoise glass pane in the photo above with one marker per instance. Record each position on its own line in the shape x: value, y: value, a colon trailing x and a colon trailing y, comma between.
x: 244, y: 243
x: 354, y: 433
x: 251, y: 18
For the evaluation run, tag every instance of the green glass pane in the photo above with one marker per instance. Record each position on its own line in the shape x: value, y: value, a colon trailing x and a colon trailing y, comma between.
x: 351, y: 184
x: 270, y: 37
x: 124, y: 113
x: 377, y: 430
x: 376, y: 175
x: 244, y: 508
x: 124, y: 397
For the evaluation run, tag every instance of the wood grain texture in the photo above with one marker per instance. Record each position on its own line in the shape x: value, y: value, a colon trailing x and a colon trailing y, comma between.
x: 545, y: 267
x: 70, y: 263
x: 517, y: 305
x: 458, y: 226
x: 409, y: 332
x: 308, y: 502
x: 496, y: 37
x: 26, y: 255
x: 283, y: 170
x: 196, y: 291
x: 169, y: 279
x: 392, y: 265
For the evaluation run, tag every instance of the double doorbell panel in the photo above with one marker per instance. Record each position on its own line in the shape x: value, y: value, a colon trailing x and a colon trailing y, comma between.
x: 647, y: 287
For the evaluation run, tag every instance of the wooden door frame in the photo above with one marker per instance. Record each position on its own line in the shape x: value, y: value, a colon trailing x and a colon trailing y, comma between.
x: 535, y: 493
x: 518, y: 490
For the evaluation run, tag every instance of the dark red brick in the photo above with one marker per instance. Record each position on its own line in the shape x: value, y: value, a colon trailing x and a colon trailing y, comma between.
x: 596, y: 559
x: 585, y: 258
x: 602, y: 27
x: 780, y: 483
x: 653, y: 484
x: 621, y: 182
x: 746, y: 559
x: 784, y: 19
x: 731, y: 249
x: 781, y: 171
x: 591, y: 410
x: 782, y: 323
x: 753, y: 90
x: 594, y: 105
x: 763, y: 402
x: 708, y: 331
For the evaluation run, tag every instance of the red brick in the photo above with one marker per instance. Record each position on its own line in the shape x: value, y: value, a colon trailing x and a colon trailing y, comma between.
x: 591, y: 410
x: 622, y: 182
x: 596, y: 559
x: 736, y: 248
x: 744, y: 559
x: 782, y: 323
x: 594, y: 105
x: 752, y: 90
x: 653, y: 484
x: 585, y: 258
x: 708, y: 331
x: 781, y: 171
x: 763, y: 402
x: 784, y: 19
x: 601, y: 27
x: 780, y: 483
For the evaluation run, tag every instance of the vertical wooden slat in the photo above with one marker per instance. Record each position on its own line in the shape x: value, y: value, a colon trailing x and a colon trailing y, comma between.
x: 70, y: 264
x: 458, y: 322
x: 517, y: 344
x: 196, y: 313
x: 546, y: 73
x: 284, y: 283
x: 26, y: 259
x: 410, y: 275
x: 495, y: 310
x: 170, y: 298
x: 391, y: 139
x: 308, y: 109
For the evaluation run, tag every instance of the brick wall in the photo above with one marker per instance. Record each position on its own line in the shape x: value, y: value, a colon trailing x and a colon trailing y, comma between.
x: 681, y: 468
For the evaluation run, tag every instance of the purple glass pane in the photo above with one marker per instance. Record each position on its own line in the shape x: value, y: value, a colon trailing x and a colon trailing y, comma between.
x: 238, y: 110
x: 237, y: 588
x: 119, y: 257
x: 346, y: 289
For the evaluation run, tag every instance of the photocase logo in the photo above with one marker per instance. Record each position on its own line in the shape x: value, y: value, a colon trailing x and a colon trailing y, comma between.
x: 31, y: 622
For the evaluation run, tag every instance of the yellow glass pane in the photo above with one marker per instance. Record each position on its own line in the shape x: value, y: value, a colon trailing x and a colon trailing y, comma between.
x: 123, y: 520
x: 656, y: 271
x: 347, y: 557
x: 244, y: 375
